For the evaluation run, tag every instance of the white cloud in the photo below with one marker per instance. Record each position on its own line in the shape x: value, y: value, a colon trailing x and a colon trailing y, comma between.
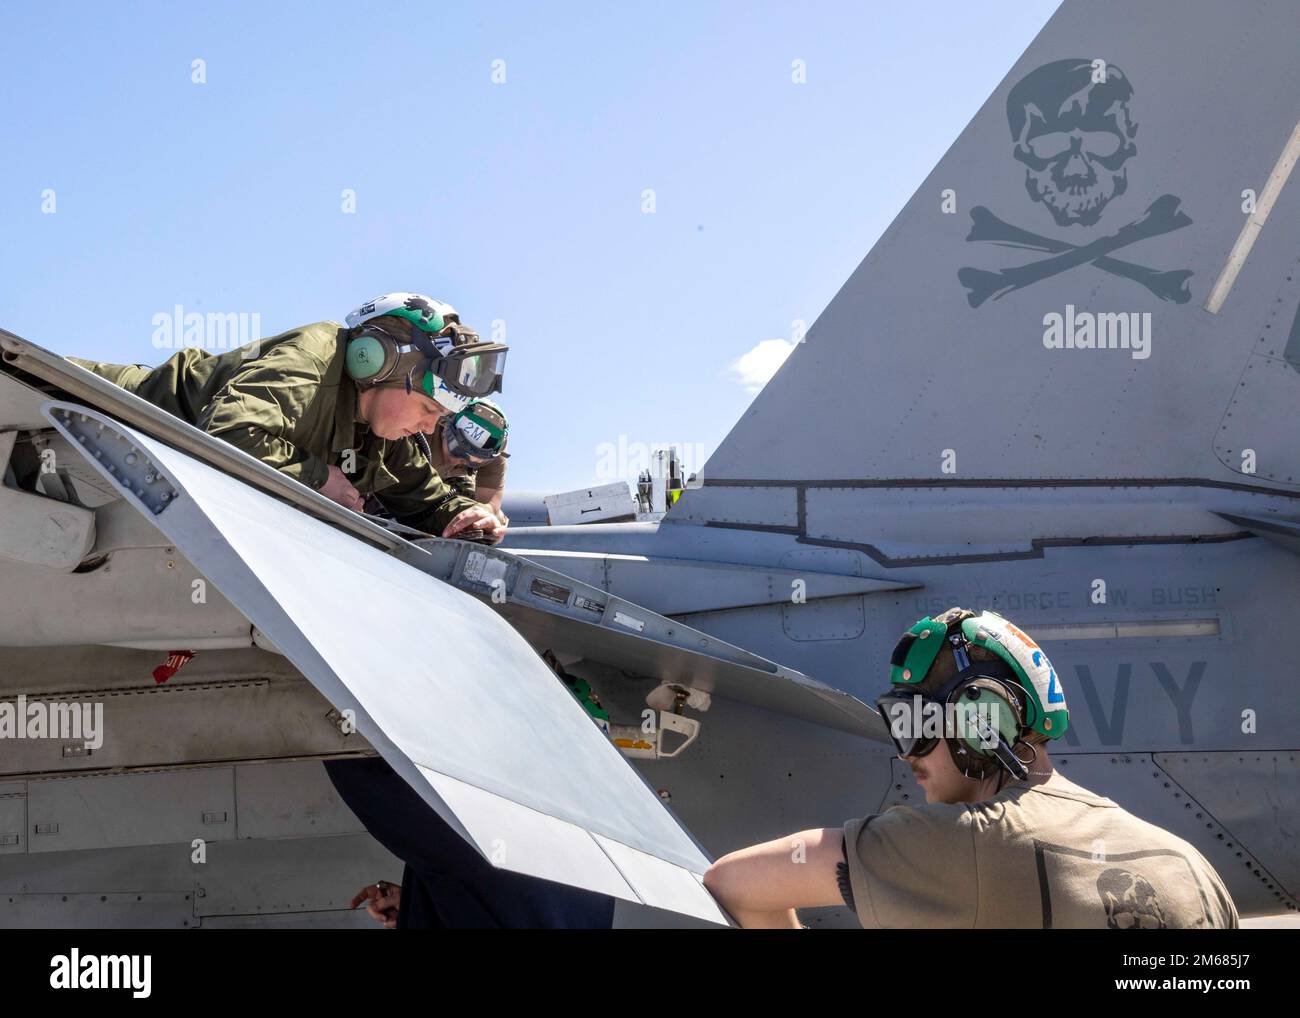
x: 755, y: 368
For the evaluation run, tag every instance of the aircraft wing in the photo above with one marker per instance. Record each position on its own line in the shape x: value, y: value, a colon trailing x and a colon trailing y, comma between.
x: 450, y: 695
x: 570, y: 616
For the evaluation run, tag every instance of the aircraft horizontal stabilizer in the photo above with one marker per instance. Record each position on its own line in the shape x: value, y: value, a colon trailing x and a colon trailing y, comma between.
x: 451, y: 696
x: 694, y: 586
x: 1280, y: 530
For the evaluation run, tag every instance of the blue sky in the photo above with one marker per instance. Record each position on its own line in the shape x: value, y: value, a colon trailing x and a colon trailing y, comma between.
x: 520, y: 202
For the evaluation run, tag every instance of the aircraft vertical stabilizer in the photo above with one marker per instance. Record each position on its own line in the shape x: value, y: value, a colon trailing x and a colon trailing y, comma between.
x: 1098, y: 280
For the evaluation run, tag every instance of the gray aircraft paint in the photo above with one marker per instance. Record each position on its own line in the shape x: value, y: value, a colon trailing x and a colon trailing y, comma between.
x: 1292, y: 351
x: 904, y: 317
x: 1071, y: 465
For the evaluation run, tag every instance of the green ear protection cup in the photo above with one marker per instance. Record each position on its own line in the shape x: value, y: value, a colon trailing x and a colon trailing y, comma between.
x: 999, y: 699
x: 373, y: 358
x: 368, y: 355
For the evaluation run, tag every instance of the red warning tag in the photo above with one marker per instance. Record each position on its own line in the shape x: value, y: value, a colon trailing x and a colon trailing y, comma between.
x: 176, y: 660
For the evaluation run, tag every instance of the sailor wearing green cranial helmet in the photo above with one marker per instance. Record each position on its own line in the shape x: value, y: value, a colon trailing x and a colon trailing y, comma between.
x: 468, y: 450
x: 981, y: 851
x: 341, y: 409
x: 419, y: 343
x: 478, y: 433
x: 986, y: 673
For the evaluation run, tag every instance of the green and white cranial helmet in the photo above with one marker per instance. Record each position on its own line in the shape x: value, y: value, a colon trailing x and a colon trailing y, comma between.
x: 425, y: 313
x: 441, y: 357
x: 991, y: 687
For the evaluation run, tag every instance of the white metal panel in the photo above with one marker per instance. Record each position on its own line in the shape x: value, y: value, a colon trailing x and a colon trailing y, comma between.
x: 766, y: 506
x: 38, y: 530
x: 263, y: 877
x: 676, y: 888
x: 501, y: 829
x: 590, y: 505
x: 435, y: 677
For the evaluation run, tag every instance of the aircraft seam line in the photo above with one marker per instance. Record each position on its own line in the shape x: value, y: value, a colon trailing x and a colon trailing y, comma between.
x: 1236, y: 840
x: 1036, y: 549
x: 1003, y: 482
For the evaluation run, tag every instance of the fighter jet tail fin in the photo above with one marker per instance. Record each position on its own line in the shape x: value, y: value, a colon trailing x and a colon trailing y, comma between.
x: 1097, y: 282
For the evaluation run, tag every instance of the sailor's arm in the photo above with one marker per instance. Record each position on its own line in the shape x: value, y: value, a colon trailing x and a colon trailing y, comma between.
x: 463, y: 484
x: 486, y: 485
x: 762, y: 885
x: 490, y: 481
x: 423, y: 500
x: 263, y: 409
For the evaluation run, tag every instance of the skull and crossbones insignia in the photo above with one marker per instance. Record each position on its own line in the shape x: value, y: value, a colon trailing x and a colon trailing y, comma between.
x: 1074, y: 136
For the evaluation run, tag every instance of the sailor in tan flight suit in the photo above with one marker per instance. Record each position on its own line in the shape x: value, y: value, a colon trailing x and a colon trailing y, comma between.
x: 1003, y: 839
x: 469, y: 452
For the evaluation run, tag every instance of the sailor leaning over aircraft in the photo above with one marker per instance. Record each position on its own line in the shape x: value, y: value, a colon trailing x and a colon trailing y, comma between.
x: 468, y: 449
x: 338, y: 408
x: 349, y: 410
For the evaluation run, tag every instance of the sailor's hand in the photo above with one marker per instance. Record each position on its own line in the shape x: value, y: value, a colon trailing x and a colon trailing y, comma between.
x: 339, y: 489
x: 504, y: 520
x: 384, y: 900
x: 476, y: 517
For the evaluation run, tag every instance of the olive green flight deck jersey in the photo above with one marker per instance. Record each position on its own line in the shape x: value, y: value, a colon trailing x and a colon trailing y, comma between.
x: 288, y: 402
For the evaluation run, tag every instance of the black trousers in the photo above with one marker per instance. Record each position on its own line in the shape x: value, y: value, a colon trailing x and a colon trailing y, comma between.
x: 447, y: 884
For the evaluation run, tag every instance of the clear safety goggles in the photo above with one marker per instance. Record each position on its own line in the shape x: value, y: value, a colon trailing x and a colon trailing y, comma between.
x: 471, y: 372
x: 452, y: 366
